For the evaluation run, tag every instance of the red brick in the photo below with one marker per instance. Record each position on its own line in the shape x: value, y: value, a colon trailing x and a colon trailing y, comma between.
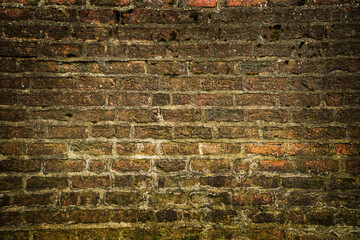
x: 17, y: 132
x: 92, y: 33
x: 182, y: 115
x: 56, y: 14
x: 131, y: 67
x: 141, y: 16
x: 35, y: 199
x: 181, y: 99
x: 268, y: 116
x: 347, y: 149
x: 161, y: 99
x: 224, y: 115
x: 275, y: 165
x: 138, y: 83
x: 274, y: 149
x: 7, y: 98
x: 233, y: 3
x: 328, y: 132
x: 157, y: 132
x: 282, y: 133
x: 14, y: 83
x: 92, y: 67
x: 41, y: 99
x: 214, y: 100
x: 299, y: 100
x: 97, y: 166
x: 353, y: 166
x: 97, y: 148
x: 10, y: 183
x: 263, y: 83
x: 255, y: 99
x: 131, y: 165
x: 201, y: 3
x: 98, y: 16
x: 108, y: 3
x: 61, y: 50
x: 166, y: 68
x: 17, y: 165
x: 312, y: 149
x: 52, y: 83
x: 238, y: 132
x: 67, y: 132
x: 64, y: 166
x: 17, y: 14
x: 175, y: 148
x: 213, y: 166
x: 138, y: 115
x: 212, y: 67
x: 35, y: 183
x: 105, y: 50
x: 85, y: 99
x: 209, y: 84
x: 316, y: 166
x: 90, y: 182
x: 192, y: 132
x: 220, y: 148
x: 129, y: 99
x: 170, y: 165
x: 127, y: 148
x: 181, y: 84
x: 11, y: 148
x: 313, y: 116
x: 95, y: 115
x: 334, y: 99
x: 46, y: 149
x: 79, y: 198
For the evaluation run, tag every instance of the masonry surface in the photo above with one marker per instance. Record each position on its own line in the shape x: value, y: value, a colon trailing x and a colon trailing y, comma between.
x: 166, y: 119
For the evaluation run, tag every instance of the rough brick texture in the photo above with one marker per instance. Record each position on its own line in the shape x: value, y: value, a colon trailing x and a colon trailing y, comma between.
x: 187, y: 119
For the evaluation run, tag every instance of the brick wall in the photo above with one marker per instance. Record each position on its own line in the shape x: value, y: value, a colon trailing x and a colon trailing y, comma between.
x: 189, y: 119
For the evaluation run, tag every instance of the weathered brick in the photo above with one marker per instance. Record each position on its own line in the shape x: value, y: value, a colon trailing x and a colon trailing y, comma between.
x: 268, y: 115
x: 124, y: 198
x: 224, y: 115
x: 255, y: 99
x: 52, y: 83
x: 36, y: 183
x: 64, y: 166
x: 79, y: 198
x: 35, y: 199
x: 129, y: 99
x: 90, y: 182
x: 138, y: 115
x: 170, y: 165
x: 97, y: 148
x: 131, y: 181
x: 212, y: 67
x: 309, y: 149
x: 157, y: 132
x: 41, y: 99
x: 128, y: 148
x: 220, y: 148
x: 274, y: 149
x: 131, y: 165
x: 347, y: 149
x: 182, y: 115
x: 67, y: 132
x: 192, y: 132
x: 174, y: 148
x: 275, y: 165
x: 35, y: 149
x: 282, y: 133
x: 213, y: 166
x: 10, y: 183
x: 99, y: 16
x: 16, y: 165
x: 316, y: 166
x: 214, y: 100
x: 329, y: 132
x: 132, y: 67
x: 61, y: 50
x: 85, y: 99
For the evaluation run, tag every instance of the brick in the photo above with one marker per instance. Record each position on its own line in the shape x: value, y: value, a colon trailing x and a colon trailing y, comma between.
x: 300, y: 100
x: 97, y: 166
x: 60, y: 115
x: 313, y: 116
x: 213, y: 166
x: 237, y: 132
x: 105, y: 50
x: 156, y: 132
x: 347, y: 116
x: 147, y: 51
x: 65, y: 2
x: 200, y: 3
x: 347, y: 149
x: 180, y: 84
x: 309, y: 83
x: 81, y: 66
x: 110, y: 3
x: 209, y: 84
x: 214, y: 100
x: 23, y: 166
x: 141, y: 16
x: 41, y: 99
x: 124, y: 198
x: 220, y: 148
x: 131, y: 165
x: 85, y: 99
x: 234, y: 3
x: 53, y: 83
x: 264, y: 83
x: 35, y: 149
x: 211, y: 50
x: 132, y: 215
x: 61, y: 50
x: 10, y: 183
x: 35, y: 183
x: 267, y: 116
x: 170, y: 165
x: 275, y: 165
x: 344, y: 183
x: 97, y: 148
x: 67, y: 132
x: 273, y: 149
x: 56, y: 14
x: 135, y: 33
x: 14, y: 83
x: 132, y: 67
x: 313, y: 166
x: 14, y: 49
x: 196, y: 33
x: 18, y: 14
x: 94, y: 115
x: 90, y: 182
x: 64, y: 166
x: 218, y: 181
x: 255, y: 99
x: 17, y: 132
x: 352, y: 166
x: 129, y: 99
x: 306, y: 183
x: 11, y: 218
x: 89, y: 216
x: 174, y: 148
x: 138, y: 115
x: 354, y: 132
x: 255, y: 67
x: 103, y: 131
x: 181, y: 99
x: 132, y: 182
x: 99, y: 16
x: 7, y: 98
x: 35, y: 199
x: 193, y: 132
x: 185, y: 16
x: 128, y: 148
x: 79, y: 198
x: 182, y: 115
x: 91, y: 33
x: 212, y: 67
x: 224, y: 115
x: 45, y: 216
x: 312, y: 149
x: 166, y: 68
x: 282, y: 133
x: 274, y: 50
x: 239, y: 33
x: 328, y: 132
x: 138, y: 83
x: 11, y: 148
x: 161, y: 99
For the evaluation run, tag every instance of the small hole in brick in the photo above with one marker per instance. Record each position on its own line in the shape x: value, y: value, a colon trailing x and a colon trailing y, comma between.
x: 68, y: 115
x: 70, y: 55
x: 287, y: 62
